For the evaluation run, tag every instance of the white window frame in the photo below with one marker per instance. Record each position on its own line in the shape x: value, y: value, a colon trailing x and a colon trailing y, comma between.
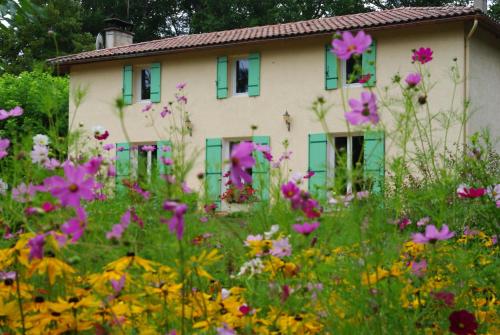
x: 233, y: 76
x: 138, y: 83
x: 343, y: 64
x: 330, y: 156
x: 134, y: 160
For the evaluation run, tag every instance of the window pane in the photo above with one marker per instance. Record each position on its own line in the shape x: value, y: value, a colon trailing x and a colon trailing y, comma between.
x: 353, y: 70
x: 242, y: 76
x: 145, y: 84
x: 142, y: 165
x: 357, y: 161
x: 341, y: 164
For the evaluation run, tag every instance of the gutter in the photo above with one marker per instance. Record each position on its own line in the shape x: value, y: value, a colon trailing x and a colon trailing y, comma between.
x: 466, y: 74
x: 489, y: 24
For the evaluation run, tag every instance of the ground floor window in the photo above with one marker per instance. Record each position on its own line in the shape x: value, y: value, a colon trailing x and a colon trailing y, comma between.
x: 345, y: 163
x: 143, y: 162
x: 230, y: 193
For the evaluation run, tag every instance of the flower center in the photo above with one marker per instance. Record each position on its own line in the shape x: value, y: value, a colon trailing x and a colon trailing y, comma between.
x: 73, y: 188
x: 366, y: 110
x: 461, y: 325
x: 235, y: 161
x: 351, y: 47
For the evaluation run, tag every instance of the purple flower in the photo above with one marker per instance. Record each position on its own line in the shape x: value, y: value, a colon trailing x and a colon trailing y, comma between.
x: 118, y: 285
x: 347, y: 46
x: 180, y: 86
x: 290, y: 190
x: 167, y: 161
x: 75, y: 186
x: 75, y: 226
x: 419, y: 268
x: 108, y: 146
x: 36, y: 245
x: 422, y: 55
x: 147, y: 108
x: 281, y: 248
x: 241, y: 159
x: 432, y: 235
x: 176, y: 222
x: 266, y: 151
x: 364, y: 110
x: 16, y: 111
x: 23, y: 192
x: 93, y: 165
x: 225, y: 330
x: 4, y: 144
x: 182, y: 99
x: 51, y: 164
x: 119, y: 228
x: 166, y: 111
x: 306, y: 228
x: 423, y: 221
x: 148, y: 148
x: 413, y: 79
x: 8, y: 275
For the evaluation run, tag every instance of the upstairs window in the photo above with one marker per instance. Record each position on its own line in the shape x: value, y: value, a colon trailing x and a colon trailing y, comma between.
x: 241, y: 76
x: 352, y: 70
x: 144, y: 84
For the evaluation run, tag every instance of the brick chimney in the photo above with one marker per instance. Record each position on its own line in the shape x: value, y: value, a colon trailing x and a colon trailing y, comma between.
x: 482, y: 5
x: 118, y: 33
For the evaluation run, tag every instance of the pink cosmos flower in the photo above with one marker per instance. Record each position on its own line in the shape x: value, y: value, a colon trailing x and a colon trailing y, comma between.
x: 148, y: 148
x: 311, y: 208
x: 108, y: 146
x: 225, y: 330
x: 266, y: 151
x: 182, y: 99
x: 241, y: 159
x: 422, y: 55
x: 51, y: 164
x: 76, y: 185
x: 8, y: 275
x: 16, y: 111
x: 306, y: 228
x: 166, y: 111
x: 244, y: 309
x: 75, y: 226
x: 403, y: 223
x: 4, y: 144
x: 147, y: 108
x: 413, y: 79
x: 39, y: 154
x: 36, y: 245
x: 166, y: 148
x: 470, y: 192
x: 118, y: 229
x: 364, y: 110
x: 432, y: 235
x: 143, y: 193
x: 118, y: 285
x: 185, y: 188
x: 23, y: 192
x: 180, y: 86
x: 290, y: 190
x: 423, y: 221
x: 176, y: 222
x: 167, y: 161
x: 281, y: 248
x: 447, y: 298
x: 102, y: 137
x: 347, y: 46
x: 419, y: 268
x: 93, y: 165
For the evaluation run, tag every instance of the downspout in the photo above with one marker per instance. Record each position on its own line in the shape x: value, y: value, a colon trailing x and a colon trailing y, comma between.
x: 466, y: 74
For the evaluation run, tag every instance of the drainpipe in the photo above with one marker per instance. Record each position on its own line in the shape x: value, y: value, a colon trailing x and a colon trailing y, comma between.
x: 466, y: 72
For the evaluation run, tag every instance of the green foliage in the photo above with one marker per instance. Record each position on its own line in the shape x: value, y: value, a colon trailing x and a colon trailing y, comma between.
x: 44, y: 99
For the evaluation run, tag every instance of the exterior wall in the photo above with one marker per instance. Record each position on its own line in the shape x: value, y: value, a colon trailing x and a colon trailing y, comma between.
x: 292, y: 76
x: 484, y: 84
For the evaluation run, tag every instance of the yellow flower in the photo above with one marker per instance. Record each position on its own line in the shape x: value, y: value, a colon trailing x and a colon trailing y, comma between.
x: 130, y: 260
x: 52, y: 266
x: 373, y: 278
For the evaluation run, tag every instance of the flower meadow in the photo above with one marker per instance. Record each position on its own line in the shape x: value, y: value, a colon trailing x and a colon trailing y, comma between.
x: 79, y: 255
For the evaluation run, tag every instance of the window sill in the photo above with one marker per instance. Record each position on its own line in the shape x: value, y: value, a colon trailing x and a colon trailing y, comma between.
x: 353, y: 85
x: 143, y: 102
x: 240, y: 94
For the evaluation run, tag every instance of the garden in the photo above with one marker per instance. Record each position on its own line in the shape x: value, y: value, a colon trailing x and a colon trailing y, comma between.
x: 415, y: 252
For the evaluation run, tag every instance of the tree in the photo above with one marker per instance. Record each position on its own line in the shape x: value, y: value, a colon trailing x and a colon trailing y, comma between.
x: 387, y: 4
x: 494, y: 10
x: 40, y: 30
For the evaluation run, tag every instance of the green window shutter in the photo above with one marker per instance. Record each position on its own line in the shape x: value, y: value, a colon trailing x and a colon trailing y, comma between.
x: 254, y: 74
x: 221, y: 77
x: 155, y: 82
x: 331, y: 69
x: 260, y: 172
x: 318, y: 164
x: 122, y: 165
x: 160, y: 153
x: 374, y: 159
x: 127, y: 84
x: 369, y: 61
x: 213, y: 169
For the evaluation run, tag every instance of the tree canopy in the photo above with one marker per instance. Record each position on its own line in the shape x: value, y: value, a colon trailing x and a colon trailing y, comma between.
x: 32, y: 31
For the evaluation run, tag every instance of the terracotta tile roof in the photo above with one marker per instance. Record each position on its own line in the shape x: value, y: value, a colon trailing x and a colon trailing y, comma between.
x: 370, y: 20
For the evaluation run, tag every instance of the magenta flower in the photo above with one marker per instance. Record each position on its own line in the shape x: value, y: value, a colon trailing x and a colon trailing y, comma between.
x: 347, y: 46
x: 447, y: 298
x: 182, y: 99
x: 180, y: 86
x: 422, y: 55
x: 281, y: 248
x: 311, y: 208
x: 167, y: 161
x: 241, y: 159
x: 4, y: 144
x: 147, y: 108
x: 413, y: 79
x: 403, y: 223
x: 364, y: 110
x: 148, y: 148
x: 463, y: 323
x: 470, y: 192
x: 266, y: 151
x: 290, y: 190
x: 118, y: 229
x: 93, y: 165
x: 176, y: 222
x: 108, y: 146
x: 432, y: 235
x: 306, y: 228
x: 118, y: 285
x: 36, y: 245
x: 75, y: 186
x: 75, y: 226
x: 166, y: 111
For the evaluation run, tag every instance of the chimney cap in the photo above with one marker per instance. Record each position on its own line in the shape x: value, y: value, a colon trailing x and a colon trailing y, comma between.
x: 116, y: 23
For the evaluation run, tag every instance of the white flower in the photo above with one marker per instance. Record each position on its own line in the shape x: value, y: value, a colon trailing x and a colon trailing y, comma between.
x: 270, y: 233
x: 41, y: 140
x: 40, y: 154
x: 225, y: 293
x: 98, y: 130
x: 3, y: 187
x: 253, y: 266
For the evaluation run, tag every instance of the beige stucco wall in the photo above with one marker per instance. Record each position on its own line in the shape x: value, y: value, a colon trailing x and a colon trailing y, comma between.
x: 292, y: 76
x: 484, y: 84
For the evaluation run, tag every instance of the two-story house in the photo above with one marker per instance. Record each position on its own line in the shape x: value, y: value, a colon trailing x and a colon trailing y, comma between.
x: 258, y: 75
